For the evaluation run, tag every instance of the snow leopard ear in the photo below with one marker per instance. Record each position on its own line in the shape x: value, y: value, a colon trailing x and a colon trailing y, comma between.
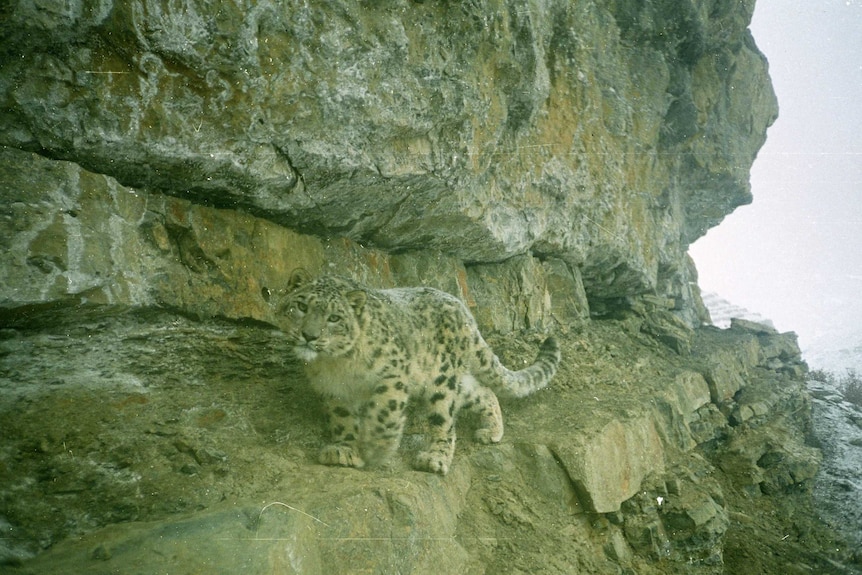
x: 298, y: 277
x: 356, y: 299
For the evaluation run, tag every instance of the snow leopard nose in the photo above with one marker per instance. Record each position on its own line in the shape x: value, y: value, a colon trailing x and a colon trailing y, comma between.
x: 310, y: 337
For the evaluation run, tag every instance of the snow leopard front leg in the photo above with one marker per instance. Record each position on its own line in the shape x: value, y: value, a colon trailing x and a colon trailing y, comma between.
x: 383, y: 418
x: 343, y: 426
x: 442, y: 406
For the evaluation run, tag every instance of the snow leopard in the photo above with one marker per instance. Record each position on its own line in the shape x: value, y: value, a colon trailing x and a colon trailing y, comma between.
x: 368, y: 352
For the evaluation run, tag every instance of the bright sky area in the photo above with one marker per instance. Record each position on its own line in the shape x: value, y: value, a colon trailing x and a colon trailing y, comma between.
x: 795, y: 254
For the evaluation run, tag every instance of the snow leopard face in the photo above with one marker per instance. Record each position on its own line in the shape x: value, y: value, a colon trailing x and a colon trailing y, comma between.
x: 320, y: 317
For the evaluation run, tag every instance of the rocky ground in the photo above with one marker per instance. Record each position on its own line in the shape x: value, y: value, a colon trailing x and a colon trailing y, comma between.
x: 836, y: 423
x: 163, y: 443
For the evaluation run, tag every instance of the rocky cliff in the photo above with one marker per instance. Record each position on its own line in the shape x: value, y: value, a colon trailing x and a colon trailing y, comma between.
x: 603, y: 134
x: 166, y: 165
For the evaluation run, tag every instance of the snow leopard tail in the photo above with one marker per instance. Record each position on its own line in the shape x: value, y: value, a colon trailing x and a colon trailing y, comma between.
x: 525, y: 381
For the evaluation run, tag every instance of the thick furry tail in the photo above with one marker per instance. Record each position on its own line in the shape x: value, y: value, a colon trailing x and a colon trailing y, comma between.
x: 530, y: 379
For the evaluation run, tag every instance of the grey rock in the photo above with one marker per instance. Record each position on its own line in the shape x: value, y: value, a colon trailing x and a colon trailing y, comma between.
x: 482, y: 132
x: 752, y: 326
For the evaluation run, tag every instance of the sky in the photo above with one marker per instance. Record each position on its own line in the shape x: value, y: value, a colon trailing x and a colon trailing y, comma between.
x: 795, y: 254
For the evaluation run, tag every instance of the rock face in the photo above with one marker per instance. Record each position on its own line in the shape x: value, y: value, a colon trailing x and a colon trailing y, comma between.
x: 838, y: 429
x: 604, y: 134
x: 164, y: 166
x: 69, y: 235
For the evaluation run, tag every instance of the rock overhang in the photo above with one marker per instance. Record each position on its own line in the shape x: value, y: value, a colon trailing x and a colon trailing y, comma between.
x: 482, y: 134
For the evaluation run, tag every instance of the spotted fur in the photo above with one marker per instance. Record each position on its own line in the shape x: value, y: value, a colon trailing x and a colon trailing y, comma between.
x: 369, y: 352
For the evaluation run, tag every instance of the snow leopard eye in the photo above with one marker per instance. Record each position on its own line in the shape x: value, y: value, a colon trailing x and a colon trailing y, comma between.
x: 334, y: 318
x: 302, y: 306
